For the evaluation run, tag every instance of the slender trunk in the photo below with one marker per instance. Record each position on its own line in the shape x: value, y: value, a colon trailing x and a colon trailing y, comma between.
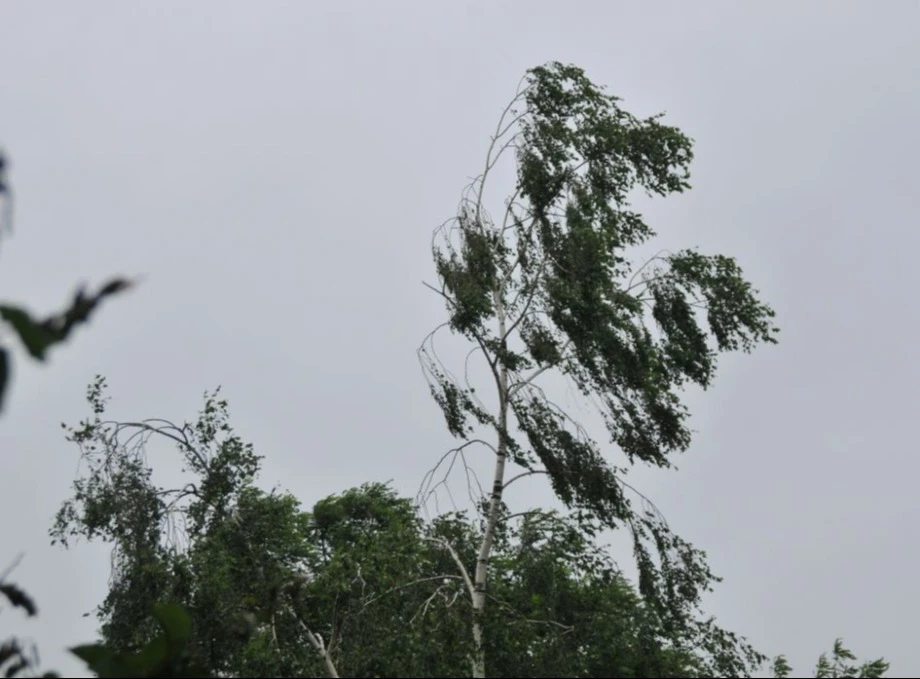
x: 495, y: 499
x: 485, y: 548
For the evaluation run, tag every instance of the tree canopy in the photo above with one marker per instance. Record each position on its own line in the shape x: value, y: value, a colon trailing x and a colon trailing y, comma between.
x: 362, y: 573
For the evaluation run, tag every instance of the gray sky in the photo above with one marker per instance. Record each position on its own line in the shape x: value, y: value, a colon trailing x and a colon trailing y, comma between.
x: 275, y: 171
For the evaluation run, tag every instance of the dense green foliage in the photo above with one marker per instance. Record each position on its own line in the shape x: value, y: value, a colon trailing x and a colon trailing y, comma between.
x: 361, y: 571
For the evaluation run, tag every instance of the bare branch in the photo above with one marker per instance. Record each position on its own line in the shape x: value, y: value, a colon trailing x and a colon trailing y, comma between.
x: 426, y: 489
x: 456, y: 557
x: 424, y: 607
x: 524, y: 474
x: 654, y: 258
x: 163, y: 431
x: 500, y: 131
x: 410, y: 584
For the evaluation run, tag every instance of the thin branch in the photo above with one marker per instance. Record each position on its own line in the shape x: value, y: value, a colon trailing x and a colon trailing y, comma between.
x: 9, y: 569
x: 523, y: 618
x: 528, y: 381
x: 499, y: 132
x: 524, y: 474
x: 529, y: 512
x: 456, y: 557
x: 469, y: 487
x: 426, y: 489
x: 424, y: 607
x: 410, y: 584
x: 656, y: 257
x: 184, y: 442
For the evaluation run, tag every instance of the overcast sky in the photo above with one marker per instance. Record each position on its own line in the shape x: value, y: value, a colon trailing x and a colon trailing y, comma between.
x: 274, y: 171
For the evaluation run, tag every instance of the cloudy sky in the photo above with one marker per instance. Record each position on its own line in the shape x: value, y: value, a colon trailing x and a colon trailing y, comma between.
x: 274, y: 170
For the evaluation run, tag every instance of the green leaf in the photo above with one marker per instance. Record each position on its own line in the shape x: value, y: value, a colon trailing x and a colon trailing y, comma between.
x: 34, y: 336
x: 91, y: 653
x: 38, y: 336
x: 175, y: 622
x: 153, y: 656
x: 18, y: 598
x: 102, y: 661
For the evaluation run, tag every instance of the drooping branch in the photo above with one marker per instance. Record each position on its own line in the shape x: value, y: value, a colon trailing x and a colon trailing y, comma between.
x: 531, y: 472
x: 426, y: 488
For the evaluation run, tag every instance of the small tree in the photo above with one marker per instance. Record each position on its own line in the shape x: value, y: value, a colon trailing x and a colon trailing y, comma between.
x: 549, y: 287
x: 215, y: 544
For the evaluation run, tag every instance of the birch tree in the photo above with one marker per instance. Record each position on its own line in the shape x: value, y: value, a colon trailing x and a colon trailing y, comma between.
x: 551, y: 284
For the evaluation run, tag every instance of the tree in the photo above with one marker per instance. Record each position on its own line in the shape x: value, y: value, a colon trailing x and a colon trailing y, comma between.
x: 360, y: 585
x: 839, y: 666
x: 550, y: 288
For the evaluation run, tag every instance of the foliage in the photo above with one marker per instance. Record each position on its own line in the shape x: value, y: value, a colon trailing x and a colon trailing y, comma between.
x: 164, y: 656
x: 16, y: 660
x: 839, y: 665
x: 550, y: 288
x: 361, y: 573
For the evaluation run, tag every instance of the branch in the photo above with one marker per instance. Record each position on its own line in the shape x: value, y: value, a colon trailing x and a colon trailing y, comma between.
x: 424, y: 607
x: 655, y: 257
x: 499, y: 133
x: 426, y: 489
x: 522, y: 475
x: 466, y: 576
x: 275, y: 634
x: 145, y: 426
x: 410, y: 584
x: 529, y: 512
x: 523, y: 618
x: 517, y: 386
x: 440, y: 292
x: 316, y: 641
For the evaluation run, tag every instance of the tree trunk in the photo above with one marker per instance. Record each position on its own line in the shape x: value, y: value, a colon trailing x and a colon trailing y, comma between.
x: 495, y: 500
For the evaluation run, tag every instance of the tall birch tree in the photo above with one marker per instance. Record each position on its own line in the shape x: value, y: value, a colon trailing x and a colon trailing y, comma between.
x: 550, y: 286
